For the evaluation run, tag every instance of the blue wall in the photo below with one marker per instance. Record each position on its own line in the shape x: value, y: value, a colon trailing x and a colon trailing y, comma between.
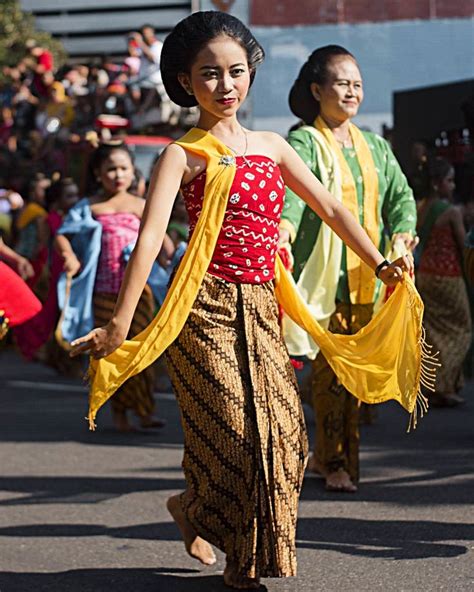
x: 393, y: 56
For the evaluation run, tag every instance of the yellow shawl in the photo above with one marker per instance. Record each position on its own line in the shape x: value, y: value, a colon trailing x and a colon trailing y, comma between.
x: 29, y: 214
x: 318, y: 281
x: 383, y: 361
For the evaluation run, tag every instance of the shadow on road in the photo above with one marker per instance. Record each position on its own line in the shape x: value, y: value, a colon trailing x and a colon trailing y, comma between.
x: 158, y: 531
x: 447, y: 485
x: 387, y: 539
x: 118, y: 580
x: 78, y: 490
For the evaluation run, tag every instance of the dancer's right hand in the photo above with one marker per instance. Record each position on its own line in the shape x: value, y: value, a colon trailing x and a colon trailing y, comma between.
x: 99, y: 342
x: 71, y: 264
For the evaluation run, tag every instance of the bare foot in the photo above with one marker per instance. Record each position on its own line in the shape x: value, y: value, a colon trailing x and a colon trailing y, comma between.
x: 340, y: 481
x: 150, y: 421
x: 315, y: 466
x: 234, y: 580
x: 121, y: 423
x: 195, y: 545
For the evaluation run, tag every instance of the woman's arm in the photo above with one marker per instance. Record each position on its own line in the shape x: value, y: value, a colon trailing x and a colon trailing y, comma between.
x: 71, y: 263
x: 164, y: 185
x: 457, y: 224
x: 167, y: 251
x: 23, y: 266
x: 302, y: 182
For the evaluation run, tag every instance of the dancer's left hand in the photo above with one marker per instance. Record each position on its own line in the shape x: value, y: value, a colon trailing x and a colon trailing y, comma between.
x: 392, y: 274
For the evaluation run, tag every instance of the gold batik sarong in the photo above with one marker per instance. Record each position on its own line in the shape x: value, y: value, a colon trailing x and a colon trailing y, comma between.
x: 245, y: 442
x: 447, y: 321
x: 137, y: 392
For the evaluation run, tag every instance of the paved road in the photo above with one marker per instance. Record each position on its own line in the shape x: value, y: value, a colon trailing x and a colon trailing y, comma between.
x: 84, y: 512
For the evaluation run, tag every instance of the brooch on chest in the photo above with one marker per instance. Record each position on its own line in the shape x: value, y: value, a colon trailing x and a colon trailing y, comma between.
x: 227, y: 160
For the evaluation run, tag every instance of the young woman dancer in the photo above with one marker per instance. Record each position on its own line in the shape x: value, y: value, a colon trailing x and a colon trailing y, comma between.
x: 245, y: 441
x: 116, y: 213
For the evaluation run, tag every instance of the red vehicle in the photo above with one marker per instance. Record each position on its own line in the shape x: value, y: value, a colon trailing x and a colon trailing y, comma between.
x: 146, y: 150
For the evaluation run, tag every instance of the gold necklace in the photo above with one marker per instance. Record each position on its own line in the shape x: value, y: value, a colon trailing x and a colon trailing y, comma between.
x: 245, y: 149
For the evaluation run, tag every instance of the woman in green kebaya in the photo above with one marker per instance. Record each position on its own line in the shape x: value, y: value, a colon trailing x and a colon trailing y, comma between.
x: 360, y: 170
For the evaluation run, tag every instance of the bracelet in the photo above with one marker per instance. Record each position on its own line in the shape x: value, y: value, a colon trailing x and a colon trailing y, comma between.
x: 380, y: 266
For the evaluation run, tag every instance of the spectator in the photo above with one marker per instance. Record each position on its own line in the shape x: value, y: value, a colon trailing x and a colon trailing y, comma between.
x: 40, y: 61
x: 148, y: 48
x: 441, y: 284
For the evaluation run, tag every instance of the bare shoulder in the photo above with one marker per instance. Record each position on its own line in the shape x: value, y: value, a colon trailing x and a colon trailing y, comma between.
x: 267, y: 143
x: 173, y: 154
x: 456, y: 214
x: 138, y: 205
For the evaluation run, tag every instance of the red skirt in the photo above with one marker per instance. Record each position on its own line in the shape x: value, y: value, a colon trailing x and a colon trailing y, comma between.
x: 17, y: 301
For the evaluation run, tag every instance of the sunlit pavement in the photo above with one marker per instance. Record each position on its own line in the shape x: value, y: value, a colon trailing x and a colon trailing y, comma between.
x: 85, y: 512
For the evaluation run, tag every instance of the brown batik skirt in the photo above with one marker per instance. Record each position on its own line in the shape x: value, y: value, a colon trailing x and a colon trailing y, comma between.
x: 136, y: 393
x: 245, y: 444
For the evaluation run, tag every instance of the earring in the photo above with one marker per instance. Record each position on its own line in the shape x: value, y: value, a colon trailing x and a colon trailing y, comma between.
x: 190, y: 91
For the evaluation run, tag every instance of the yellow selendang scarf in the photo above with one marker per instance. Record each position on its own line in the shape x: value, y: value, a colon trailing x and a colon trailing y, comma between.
x: 383, y: 361
x: 360, y: 276
x: 319, y: 279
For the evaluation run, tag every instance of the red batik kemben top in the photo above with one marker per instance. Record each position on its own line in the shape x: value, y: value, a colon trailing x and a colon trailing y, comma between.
x: 247, y: 243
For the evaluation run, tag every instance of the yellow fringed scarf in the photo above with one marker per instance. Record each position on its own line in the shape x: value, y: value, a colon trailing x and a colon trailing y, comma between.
x: 383, y: 361
x: 361, y: 278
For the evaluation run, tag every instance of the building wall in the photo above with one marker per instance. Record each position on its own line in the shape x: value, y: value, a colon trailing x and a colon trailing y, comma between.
x: 97, y: 27
x: 393, y: 56
x: 286, y: 13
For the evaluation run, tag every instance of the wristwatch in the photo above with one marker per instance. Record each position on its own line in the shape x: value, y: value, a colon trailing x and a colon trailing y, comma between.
x: 380, y: 266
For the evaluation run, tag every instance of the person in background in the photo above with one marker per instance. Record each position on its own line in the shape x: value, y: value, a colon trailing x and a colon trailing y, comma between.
x: 439, y: 279
x: 148, y: 48
x: 31, y: 230
x: 41, y: 62
x: 113, y: 215
x: 360, y: 169
x: 17, y: 301
x: 60, y: 197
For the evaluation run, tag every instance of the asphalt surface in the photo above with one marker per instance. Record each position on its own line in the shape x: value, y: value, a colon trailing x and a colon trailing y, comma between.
x: 85, y: 512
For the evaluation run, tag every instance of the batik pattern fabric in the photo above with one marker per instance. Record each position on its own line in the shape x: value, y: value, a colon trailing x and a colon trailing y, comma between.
x: 136, y: 394
x: 118, y: 230
x: 247, y: 243
x: 245, y: 443
x: 447, y: 316
x: 335, y: 409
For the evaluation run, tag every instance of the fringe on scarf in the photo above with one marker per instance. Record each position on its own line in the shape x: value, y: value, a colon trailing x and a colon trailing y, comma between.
x: 429, y: 363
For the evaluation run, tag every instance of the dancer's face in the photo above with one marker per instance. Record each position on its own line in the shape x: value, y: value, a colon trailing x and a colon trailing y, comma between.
x: 219, y: 77
x: 116, y: 172
x: 447, y: 186
x: 342, y: 93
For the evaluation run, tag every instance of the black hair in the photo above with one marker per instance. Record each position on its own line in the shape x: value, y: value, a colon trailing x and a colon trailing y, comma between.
x: 439, y: 168
x: 137, y: 179
x: 56, y: 191
x: 188, y: 38
x: 100, y: 155
x: 315, y: 69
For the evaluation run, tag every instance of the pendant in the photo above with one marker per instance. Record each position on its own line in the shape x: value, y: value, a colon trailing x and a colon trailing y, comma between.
x: 227, y: 160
